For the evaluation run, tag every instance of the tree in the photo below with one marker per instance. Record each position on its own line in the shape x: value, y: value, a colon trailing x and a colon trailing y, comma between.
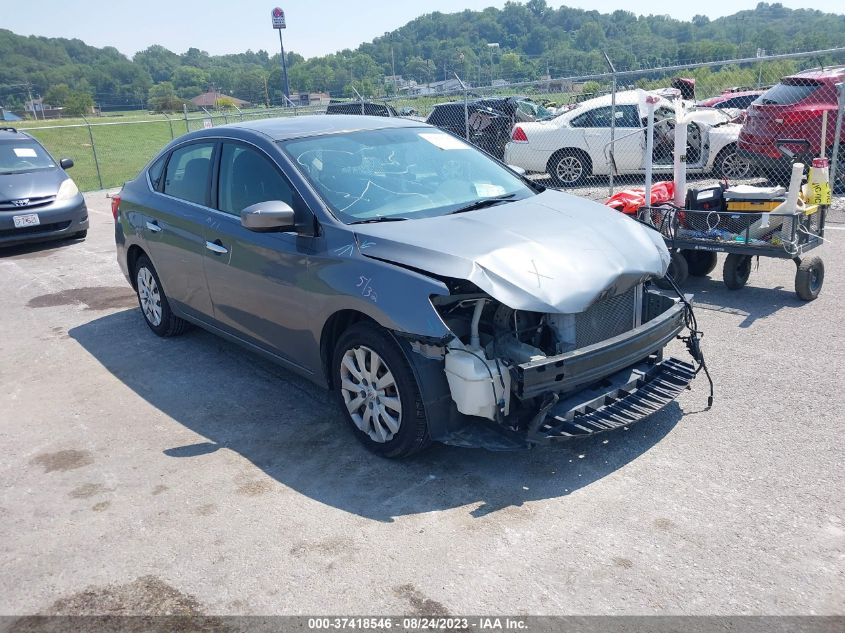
x: 57, y: 95
x: 510, y: 67
x: 162, y: 98
x: 79, y: 104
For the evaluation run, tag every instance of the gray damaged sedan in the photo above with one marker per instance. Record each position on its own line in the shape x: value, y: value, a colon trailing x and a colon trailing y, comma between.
x: 440, y: 295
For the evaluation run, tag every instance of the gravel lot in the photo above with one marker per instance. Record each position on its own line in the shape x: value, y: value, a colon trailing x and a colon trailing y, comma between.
x: 143, y: 475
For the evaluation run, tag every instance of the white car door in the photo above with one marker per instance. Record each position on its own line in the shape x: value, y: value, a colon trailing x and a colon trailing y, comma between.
x: 629, y: 145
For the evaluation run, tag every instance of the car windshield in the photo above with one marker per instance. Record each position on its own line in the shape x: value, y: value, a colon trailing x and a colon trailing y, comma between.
x: 401, y: 173
x: 23, y: 155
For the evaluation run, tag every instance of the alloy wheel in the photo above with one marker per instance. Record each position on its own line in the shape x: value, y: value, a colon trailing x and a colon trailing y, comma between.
x: 370, y: 393
x: 733, y: 166
x: 150, y: 296
x: 569, y: 169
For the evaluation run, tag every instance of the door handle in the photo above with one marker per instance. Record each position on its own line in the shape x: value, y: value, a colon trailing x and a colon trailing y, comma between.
x: 216, y: 247
x: 154, y: 227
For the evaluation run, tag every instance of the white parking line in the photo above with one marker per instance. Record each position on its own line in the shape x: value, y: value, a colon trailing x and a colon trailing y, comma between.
x: 835, y: 228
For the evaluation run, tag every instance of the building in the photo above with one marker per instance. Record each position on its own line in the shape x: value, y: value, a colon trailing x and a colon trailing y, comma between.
x: 212, y: 98
x: 37, y: 109
x: 448, y: 86
x: 310, y: 98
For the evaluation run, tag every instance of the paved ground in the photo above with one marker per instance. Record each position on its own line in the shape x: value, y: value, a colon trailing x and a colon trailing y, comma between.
x: 148, y: 475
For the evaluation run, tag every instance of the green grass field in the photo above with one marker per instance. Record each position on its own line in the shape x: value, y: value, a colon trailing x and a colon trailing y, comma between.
x: 124, y: 142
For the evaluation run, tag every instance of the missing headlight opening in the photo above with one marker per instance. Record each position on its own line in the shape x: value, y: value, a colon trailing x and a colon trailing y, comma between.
x: 513, y: 366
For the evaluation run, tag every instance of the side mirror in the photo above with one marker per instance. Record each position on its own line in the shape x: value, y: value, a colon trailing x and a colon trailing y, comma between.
x: 273, y: 215
x: 517, y: 169
x: 66, y: 163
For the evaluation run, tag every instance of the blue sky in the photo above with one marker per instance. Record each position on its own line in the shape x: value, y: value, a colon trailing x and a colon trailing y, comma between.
x: 316, y: 27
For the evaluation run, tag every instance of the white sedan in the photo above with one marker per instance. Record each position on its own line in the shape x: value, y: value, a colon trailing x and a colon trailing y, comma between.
x: 575, y: 145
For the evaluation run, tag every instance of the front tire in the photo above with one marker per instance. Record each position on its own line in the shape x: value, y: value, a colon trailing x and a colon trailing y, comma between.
x: 730, y: 165
x: 736, y: 271
x: 678, y: 270
x: 153, y: 301
x: 378, y: 393
x: 569, y: 168
x: 700, y: 263
x: 809, y: 278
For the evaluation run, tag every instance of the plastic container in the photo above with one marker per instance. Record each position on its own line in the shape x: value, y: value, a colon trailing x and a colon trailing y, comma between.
x: 471, y: 385
x: 818, y: 189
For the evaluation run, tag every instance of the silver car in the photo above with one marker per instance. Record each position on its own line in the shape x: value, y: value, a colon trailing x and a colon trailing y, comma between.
x: 440, y: 295
x: 38, y: 201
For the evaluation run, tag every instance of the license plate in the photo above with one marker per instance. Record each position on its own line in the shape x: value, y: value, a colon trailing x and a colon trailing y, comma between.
x: 30, y: 219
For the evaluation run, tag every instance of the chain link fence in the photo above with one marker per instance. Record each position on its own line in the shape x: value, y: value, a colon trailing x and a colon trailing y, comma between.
x: 108, y: 153
x: 744, y: 121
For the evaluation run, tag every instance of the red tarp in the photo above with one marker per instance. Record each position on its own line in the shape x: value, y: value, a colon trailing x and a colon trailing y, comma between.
x: 632, y: 200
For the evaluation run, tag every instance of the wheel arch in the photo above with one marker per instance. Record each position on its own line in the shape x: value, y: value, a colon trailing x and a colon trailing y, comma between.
x: 333, y: 328
x: 132, y: 255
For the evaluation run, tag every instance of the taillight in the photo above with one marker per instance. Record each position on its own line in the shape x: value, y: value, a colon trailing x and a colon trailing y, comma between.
x: 519, y: 135
x: 797, y: 117
x: 115, y: 205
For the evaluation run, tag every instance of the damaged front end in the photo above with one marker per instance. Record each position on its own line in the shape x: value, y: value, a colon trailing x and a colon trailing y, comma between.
x: 520, y: 378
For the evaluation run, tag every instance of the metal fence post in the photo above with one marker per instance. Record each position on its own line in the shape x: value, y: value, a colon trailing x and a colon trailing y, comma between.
x: 651, y: 101
x: 612, y: 123
x: 94, y: 151
x: 834, y: 157
x: 170, y: 123
x: 185, y: 112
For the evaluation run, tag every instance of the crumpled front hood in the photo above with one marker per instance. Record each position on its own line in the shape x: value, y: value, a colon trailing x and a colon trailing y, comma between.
x: 553, y: 252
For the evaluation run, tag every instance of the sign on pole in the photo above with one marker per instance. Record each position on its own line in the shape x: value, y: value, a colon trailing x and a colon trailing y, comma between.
x: 278, y: 18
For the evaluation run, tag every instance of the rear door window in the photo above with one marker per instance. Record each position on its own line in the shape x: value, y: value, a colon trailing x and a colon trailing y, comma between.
x: 188, y: 171
x: 788, y: 92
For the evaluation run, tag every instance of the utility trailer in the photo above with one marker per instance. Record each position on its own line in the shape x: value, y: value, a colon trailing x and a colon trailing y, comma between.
x: 694, y: 237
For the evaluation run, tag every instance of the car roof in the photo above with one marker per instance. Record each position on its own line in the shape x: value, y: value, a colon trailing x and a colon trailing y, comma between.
x: 283, y: 128
x: 832, y: 72
x: 11, y: 134
x: 623, y: 97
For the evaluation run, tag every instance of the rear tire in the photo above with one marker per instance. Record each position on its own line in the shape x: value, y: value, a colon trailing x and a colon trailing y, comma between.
x: 678, y: 270
x: 700, y: 263
x: 736, y: 271
x: 153, y: 301
x: 378, y: 393
x: 809, y: 278
x: 569, y: 168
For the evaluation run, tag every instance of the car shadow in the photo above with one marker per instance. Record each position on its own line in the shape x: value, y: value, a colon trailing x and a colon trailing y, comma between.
x: 34, y: 250
x: 751, y: 302
x: 293, y: 431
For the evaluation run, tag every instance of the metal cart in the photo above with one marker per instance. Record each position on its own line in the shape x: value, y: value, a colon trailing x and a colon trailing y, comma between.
x: 694, y: 238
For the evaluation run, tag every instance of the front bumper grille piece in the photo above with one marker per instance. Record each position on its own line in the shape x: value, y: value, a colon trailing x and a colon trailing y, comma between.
x: 627, y: 399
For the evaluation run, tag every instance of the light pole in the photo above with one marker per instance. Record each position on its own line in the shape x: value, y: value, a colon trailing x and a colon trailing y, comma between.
x: 279, y: 23
x: 491, y: 46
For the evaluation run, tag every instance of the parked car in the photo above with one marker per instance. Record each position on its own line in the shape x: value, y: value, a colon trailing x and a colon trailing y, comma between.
x: 438, y: 294
x: 366, y: 108
x: 38, y: 201
x: 732, y: 100
x: 576, y: 144
x: 489, y: 120
x: 793, y: 110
